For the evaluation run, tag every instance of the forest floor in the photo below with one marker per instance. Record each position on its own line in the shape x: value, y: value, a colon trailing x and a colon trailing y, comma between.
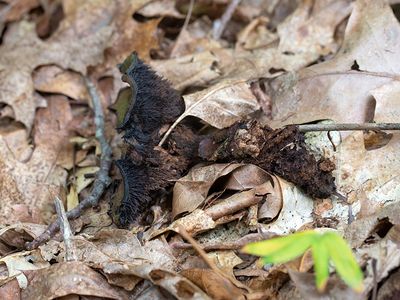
x: 274, y: 63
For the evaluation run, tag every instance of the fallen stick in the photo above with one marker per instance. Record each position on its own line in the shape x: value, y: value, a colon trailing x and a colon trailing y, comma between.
x: 348, y: 127
x: 102, y: 179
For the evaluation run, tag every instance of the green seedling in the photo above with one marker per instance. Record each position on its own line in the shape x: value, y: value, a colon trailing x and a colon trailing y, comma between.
x: 326, y: 247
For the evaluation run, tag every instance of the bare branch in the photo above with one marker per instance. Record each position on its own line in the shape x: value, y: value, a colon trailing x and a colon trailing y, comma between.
x: 349, y: 127
x: 102, y: 179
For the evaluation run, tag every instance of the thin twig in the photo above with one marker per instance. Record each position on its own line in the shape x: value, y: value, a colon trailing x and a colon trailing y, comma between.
x: 102, y: 179
x: 235, y: 245
x: 183, y: 30
x: 349, y: 127
x: 220, y: 24
x: 207, y: 260
x: 65, y: 230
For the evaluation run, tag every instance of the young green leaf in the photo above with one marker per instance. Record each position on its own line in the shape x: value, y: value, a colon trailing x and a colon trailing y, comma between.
x: 344, y: 261
x: 321, y: 262
x: 282, y: 249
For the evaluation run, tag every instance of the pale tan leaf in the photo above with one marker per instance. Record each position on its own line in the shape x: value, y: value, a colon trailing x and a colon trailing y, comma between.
x: 332, y: 90
x: 23, y: 261
x: 190, y: 191
x: 160, y: 8
x: 72, y: 198
x: 213, y: 284
x: 70, y: 278
x: 190, y: 70
x: 53, y: 79
x: 223, y: 104
x: 82, y: 181
x: 34, y: 181
x: 314, y: 35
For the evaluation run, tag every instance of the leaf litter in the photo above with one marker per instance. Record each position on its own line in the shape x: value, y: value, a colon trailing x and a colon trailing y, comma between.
x: 315, y: 60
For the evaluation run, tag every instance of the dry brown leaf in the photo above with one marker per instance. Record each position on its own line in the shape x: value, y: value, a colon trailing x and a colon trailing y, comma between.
x: 297, y: 210
x: 122, y: 245
x: 10, y: 290
x: 72, y: 198
x: 225, y: 260
x: 256, y: 35
x: 310, y: 29
x: 53, y: 79
x: 195, y: 222
x: 69, y: 278
x: 119, y: 252
x: 83, y: 35
x: 332, y: 90
x: 191, y: 191
x: 358, y: 231
x: 230, y: 98
x: 22, y: 51
x: 369, y: 175
x: 174, y: 283
x: 305, y: 283
x: 190, y: 70
x: 35, y: 181
x: 247, y: 177
x: 195, y: 38
x: 164, y: 8
x: 23, y: 261
x: 387, y: 257
x: 17, y: 234
x: 132, y: 38
x: 222, y: 105
x: 224, y: 211
x: 213, y: 284
x: 82, y: 180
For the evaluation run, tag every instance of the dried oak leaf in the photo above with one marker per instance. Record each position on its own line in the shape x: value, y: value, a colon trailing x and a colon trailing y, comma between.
x: 164, y: 8
x: 216, y: 286
x: 128, y: 34
x: 341, y: 88
x: 19, y: 262
x: 32, y: 181
x: 16, y: 235
x: 69, y: 278
x: 369, y: 61
x: 118, y: 252
x: 230, y: 97
x: 22, y: 51
x: 191, y: 190
x: 310, y: 29
x: 53, y: 79
x: 197, y: 69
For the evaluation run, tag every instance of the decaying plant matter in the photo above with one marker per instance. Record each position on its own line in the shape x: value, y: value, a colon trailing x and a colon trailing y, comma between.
x: 146, y: 169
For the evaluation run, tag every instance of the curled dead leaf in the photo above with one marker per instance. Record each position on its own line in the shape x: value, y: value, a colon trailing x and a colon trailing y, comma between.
x: 68, y: 278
